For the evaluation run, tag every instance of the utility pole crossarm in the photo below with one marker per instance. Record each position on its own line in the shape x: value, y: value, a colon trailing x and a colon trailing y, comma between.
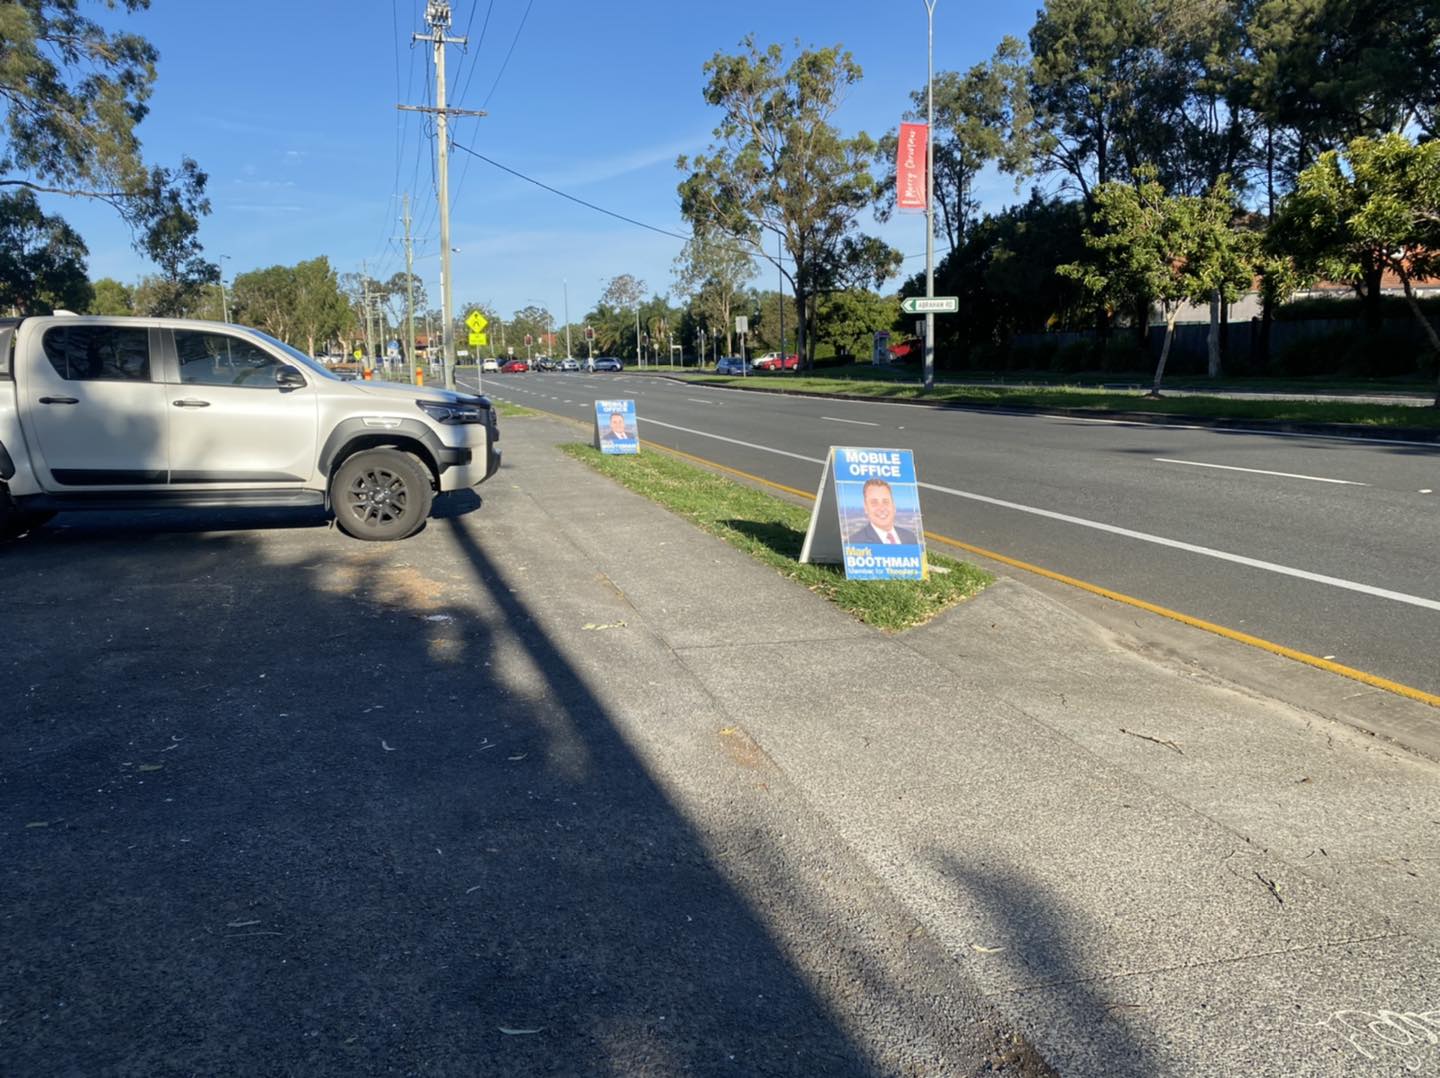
x: 446, y: 111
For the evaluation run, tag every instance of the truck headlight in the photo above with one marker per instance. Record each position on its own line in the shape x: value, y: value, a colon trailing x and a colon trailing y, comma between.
x: 453, y: 411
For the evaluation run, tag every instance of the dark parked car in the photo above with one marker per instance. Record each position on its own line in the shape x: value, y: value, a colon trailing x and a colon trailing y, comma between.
x: 544, y: 363
x: 606, y: 363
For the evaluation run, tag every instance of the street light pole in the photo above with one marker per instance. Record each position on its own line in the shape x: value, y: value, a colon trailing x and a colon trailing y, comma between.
x: 780, y: 276
x: 224, y: 304
x: 930, y: 193
x: 566, y: 285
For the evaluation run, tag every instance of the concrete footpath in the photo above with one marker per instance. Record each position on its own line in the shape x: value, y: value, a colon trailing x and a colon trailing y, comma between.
x: 1136, y: 864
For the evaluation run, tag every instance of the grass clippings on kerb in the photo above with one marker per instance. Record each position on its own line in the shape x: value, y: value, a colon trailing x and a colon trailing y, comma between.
x: 772, y: 530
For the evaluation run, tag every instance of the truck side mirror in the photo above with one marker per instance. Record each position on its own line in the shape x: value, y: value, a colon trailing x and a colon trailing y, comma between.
x: 289, y: 378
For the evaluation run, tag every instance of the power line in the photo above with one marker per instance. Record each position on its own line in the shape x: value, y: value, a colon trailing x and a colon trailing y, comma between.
x: 619, y: 216
x: 508, y: 54
x: 572, y: 198
x: 475, y: 64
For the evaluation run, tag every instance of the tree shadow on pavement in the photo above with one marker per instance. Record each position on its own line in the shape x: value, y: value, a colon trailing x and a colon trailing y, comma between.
x: 1033, y: 955
x: 288, y: 804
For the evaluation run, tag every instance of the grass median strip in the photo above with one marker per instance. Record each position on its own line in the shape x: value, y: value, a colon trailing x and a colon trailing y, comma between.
x: 517, y: 410
x: 1101, y: 401
x: 772, y: 530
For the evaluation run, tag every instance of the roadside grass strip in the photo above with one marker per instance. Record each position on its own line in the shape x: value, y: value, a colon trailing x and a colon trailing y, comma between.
x: 772, y: 531
x: 517, y: 410
x: 1102, y: 401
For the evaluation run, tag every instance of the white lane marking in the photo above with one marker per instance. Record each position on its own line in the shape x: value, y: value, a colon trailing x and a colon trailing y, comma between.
x: 1144, y: 537
x: 1209, y: 552
x: 736, y: 441
x: 857, y: 422
x: 696, y: 400
x: 1260, y: 471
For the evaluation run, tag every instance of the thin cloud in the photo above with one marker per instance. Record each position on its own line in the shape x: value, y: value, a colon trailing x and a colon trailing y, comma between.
x: 614, y: 167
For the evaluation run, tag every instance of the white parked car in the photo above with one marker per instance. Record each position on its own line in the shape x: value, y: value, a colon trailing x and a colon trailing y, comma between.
x: 490, y: 366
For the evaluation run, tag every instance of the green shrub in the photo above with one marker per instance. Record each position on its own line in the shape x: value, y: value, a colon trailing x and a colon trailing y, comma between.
x: 1076, y: 356
x: 1039, y: 357
x: 1354, y: 353
x: 1124, y: 354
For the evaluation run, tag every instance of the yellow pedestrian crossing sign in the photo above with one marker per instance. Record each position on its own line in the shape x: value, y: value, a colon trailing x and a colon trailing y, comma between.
x: 477, y: 323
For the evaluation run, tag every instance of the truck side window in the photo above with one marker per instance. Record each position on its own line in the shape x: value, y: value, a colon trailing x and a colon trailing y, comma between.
x: 217, y: 359
x: 99, y: 353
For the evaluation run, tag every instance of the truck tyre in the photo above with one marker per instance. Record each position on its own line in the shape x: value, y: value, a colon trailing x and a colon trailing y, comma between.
x: 381, y: 494
x: 14, y: 521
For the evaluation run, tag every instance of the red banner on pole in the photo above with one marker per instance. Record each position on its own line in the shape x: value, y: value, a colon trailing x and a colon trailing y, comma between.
x: 910, y: 167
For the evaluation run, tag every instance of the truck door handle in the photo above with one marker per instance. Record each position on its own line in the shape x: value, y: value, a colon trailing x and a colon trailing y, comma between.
x: 59, y: 400
x: 192, y: 403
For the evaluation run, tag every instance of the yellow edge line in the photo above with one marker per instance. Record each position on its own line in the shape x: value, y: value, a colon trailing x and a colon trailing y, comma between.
x: 1120, y: 597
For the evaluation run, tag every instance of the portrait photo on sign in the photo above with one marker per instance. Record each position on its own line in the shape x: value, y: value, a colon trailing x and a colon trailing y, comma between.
x: 876, y: 511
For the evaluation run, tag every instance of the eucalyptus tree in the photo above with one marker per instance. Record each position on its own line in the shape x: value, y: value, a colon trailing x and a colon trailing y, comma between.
x: 781, y: 168
x: 712, y: 272
x: 72, y: 93
x: 42, y: 259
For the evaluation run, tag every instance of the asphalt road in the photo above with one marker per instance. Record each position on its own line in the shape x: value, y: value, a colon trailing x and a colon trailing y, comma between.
x: 1325, y: 545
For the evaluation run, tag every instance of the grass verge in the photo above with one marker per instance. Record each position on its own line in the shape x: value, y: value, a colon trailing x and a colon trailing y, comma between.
x: 506, y: 408
x: 1101, y: 401
x: 772, y: 531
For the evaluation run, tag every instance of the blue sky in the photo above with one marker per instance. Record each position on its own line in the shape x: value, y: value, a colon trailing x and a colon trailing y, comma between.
x: 290, y: 108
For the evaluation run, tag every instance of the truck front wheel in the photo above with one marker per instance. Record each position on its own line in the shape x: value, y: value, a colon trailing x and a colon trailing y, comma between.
x: 14, y: 521
x: 381, y: 494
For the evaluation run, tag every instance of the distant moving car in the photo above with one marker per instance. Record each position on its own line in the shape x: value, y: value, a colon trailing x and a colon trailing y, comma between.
x: 569, y: 364
x: 607, y: 363
x: 515, y: 366
x: 488, y: 366
x: 774, y: 361
x: 733, y: 365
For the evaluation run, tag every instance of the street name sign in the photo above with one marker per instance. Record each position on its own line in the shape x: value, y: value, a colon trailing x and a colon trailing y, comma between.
x: 930, y: 304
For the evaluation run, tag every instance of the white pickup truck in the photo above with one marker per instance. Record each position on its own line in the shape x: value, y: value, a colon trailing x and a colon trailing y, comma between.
x: 119, y: 413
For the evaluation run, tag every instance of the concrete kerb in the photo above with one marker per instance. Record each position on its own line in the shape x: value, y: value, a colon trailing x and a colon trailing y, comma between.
x: 1016, y: 756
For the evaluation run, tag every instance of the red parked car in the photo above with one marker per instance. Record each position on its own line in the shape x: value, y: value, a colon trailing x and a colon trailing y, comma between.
x: 774, y: 361
x: 515, y: 366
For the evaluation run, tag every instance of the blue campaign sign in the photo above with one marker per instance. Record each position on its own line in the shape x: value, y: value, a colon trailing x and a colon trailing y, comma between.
x: 877, y: 498
x: 617, y: 430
